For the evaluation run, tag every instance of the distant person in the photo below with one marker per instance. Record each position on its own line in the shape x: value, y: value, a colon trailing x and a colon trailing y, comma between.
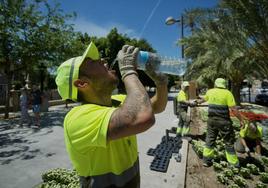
x: 183, y: 102
x: 24, y: 103
x: 67, y: 101
x: 250, y: 139
x: 36, y: 105
x: 100, y: 134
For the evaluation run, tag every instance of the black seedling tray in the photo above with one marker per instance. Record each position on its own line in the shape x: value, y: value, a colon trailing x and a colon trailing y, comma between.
x: 163, y: 151
x: 160, y: 164
x: 151, y: 152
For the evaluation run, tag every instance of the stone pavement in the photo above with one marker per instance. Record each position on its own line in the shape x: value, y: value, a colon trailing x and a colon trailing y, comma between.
x: 25, y: 153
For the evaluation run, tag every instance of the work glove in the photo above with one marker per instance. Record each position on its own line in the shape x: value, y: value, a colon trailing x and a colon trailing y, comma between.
x: 127, y: 60
x: 247, y: 150
x: 193, y: 103
x: 258, y: 156
x: 158, y: 78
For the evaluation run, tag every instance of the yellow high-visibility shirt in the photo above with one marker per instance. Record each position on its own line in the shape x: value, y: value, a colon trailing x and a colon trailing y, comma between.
x: 246, y: 133
x: 218, y: 96
x: 182, y: 96
x: 85, y: 132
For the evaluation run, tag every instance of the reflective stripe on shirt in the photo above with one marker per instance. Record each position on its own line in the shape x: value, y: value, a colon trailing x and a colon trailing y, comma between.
x: 218, y: 111
x: 109, y: 179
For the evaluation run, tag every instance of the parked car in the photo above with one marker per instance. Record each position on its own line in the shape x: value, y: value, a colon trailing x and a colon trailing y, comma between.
x: 244, y: 91
x: 262, y: 90
x: 262, y: 99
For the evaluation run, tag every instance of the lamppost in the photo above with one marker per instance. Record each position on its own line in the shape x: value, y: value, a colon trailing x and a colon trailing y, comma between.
x: 170, y: 21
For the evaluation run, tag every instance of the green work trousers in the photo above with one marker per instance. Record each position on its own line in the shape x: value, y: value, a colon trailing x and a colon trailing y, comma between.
x: 183, y: 125
x: 215, y: 126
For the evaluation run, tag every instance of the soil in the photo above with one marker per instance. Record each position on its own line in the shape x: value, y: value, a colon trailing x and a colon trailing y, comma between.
x: 198, y: 176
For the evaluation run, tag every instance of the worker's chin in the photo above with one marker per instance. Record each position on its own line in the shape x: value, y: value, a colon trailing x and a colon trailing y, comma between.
x: 113, y: 83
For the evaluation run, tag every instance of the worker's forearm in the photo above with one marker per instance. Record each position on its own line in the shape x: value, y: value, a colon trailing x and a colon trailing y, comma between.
x: 159, y: 100
x: 137, y: 100
x: 258, y: 149
x: 244, y: 142
x: 258, y: 146
x: 135, y: 115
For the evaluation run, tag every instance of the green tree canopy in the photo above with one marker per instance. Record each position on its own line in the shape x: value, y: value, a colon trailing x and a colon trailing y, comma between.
x: 31, y: 33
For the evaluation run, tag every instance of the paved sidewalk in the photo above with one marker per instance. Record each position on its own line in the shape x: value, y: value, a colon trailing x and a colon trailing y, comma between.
x: 25, y: 153
x: 175, y: 176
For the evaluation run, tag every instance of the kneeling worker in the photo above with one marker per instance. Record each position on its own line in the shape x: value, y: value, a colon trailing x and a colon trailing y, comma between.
x: 250, y: 139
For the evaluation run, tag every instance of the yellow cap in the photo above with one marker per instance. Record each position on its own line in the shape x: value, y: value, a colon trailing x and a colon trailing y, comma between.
x: 185, y: 84
x: 220, y: 82
x: 68, y: 72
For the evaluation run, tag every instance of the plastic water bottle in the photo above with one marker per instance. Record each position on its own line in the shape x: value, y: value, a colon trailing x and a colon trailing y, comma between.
x: 173, y: 67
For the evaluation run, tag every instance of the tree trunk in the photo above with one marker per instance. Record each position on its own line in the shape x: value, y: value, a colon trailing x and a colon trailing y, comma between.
x: 236, y: 92
x: 7, y: 99
x: 9, y: 75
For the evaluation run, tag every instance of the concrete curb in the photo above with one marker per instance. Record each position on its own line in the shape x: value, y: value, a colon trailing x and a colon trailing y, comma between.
x: 184, y: 153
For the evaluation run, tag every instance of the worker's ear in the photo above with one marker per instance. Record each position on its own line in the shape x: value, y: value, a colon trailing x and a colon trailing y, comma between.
x: 80, y: 83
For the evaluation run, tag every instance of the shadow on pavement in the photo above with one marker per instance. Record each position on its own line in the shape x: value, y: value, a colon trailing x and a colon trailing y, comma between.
x: 19, y: 143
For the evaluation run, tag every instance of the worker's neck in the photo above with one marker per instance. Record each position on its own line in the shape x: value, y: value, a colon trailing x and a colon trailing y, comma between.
x: 103, y: 99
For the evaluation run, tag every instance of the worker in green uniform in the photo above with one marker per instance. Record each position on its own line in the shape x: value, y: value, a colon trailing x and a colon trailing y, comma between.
x: 250, y: 138
x: 182, y: 107
x: 220, y: 100
x: 100, y: 133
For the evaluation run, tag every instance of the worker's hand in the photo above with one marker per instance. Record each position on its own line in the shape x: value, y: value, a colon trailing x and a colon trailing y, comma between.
x: 127, y: 60
x: 258, y: 156
x: 158, y: 78
x: 193, y: 103
x: 247, y: 150
x: 199, y: 100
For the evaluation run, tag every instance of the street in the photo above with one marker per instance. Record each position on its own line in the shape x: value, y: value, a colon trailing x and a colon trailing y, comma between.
x: 26, y: 153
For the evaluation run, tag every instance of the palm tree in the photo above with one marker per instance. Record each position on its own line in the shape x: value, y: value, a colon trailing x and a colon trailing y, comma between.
x: 253, y: 19
x: 219, y: 48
